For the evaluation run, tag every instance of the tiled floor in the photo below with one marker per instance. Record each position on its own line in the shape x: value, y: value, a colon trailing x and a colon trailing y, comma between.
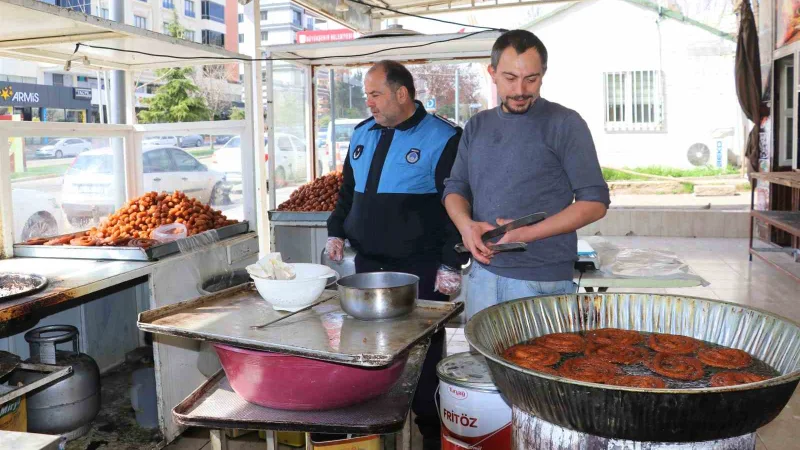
x: 724, y: 264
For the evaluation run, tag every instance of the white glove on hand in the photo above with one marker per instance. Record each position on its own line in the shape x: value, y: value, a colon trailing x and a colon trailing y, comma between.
x: 448, y: 280
x: 335, y: 248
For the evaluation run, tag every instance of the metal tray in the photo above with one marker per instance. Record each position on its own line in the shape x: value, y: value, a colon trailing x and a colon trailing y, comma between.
x: 216, y: 405
x: 15, y: 285
x: 324, y: 332
x: 117, y: 253
x: 298, y: 216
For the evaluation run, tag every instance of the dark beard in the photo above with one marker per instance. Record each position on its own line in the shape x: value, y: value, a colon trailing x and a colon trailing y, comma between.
x: 510, y: 110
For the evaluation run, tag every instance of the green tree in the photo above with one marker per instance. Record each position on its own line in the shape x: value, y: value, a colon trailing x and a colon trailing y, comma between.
x: 178, y: 99
x: 237, y: 114
x: 350, y: 98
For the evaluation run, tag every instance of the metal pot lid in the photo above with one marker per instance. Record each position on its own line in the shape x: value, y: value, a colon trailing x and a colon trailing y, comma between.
x: 8, y: 362
x: 13, y: 285
x: 466, y: 370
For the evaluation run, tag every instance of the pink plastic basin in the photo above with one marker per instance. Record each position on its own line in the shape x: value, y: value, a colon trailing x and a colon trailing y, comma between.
x: 280, y: 381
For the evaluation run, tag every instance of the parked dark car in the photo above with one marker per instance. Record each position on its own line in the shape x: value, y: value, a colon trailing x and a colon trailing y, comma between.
x: 192, y: 140
x: 222, y: 140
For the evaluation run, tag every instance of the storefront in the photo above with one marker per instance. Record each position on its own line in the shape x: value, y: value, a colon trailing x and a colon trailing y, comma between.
x: 41, y: 103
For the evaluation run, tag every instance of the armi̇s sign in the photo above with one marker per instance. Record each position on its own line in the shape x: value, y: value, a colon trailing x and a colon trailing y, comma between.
x: 8, y: 94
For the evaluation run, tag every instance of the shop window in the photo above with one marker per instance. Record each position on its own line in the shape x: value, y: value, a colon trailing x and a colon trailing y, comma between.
x: 189, y: 35
x: 633, y: 101
x: 104, y: 13
x: 75, y: 115
x: 79, y: 192
x: 166, y: 28
x: 55, y: 115
x: 58, y: 79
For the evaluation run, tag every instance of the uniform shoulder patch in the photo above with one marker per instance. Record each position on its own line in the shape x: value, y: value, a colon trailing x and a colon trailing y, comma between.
x: 364, y: 122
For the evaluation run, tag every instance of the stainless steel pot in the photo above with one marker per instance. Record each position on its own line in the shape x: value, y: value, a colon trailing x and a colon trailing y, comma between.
x: 660, y: 415
x: 378, y: 295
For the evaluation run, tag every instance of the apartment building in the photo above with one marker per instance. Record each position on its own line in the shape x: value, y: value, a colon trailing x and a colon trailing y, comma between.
x: 49, y: 93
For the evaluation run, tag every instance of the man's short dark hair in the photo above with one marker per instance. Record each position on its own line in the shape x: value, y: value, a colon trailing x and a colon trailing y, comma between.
x: 521, y: 41
x: 397, y: 75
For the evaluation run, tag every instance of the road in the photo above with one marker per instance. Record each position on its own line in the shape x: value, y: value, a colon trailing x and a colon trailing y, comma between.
x: 35, y: 162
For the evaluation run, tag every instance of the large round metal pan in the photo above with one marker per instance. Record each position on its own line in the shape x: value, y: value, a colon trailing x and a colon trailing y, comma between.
x: 661, y: 415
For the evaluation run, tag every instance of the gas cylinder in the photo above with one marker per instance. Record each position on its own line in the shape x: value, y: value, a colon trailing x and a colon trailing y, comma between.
x: 66, y: 407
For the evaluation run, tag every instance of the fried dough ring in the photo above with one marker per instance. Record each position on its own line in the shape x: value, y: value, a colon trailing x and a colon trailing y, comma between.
x: 735, y: 378
x: 614, y: 336
x: 562, y: 342
x: 84, y: 241
x: 143, y: 243
x: 36, y: 241
x: 678, y: 367
x: 673, y: 344
x: 62, y: 240
x: 726, y: 358
x: 638, y: 381
x: 618, y: 354
x: 537, y: 355
x: 592, y: 370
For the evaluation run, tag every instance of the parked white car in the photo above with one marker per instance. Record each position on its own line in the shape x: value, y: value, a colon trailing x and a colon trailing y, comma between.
x: 151, y: 141
x: 87, y: 191
x: 64, y: 147
x: 36, y: 214
x: 290, y: 164
x: 344, y: 131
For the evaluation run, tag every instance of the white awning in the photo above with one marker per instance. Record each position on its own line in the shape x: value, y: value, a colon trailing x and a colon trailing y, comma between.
x: 36, y: 31
x: 413, y: 49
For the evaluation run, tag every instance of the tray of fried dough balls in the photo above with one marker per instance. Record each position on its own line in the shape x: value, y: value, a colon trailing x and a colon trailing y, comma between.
x: 139, y: 231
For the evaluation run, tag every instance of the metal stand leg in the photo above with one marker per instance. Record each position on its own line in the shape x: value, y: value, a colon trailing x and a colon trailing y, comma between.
x: 752, y: 219
x: 272, y: 440
x: 407, y: 433
x: 219, y: 440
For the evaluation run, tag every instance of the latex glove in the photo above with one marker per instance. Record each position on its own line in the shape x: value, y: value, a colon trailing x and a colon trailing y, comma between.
x: 335, y: 248
x: 448, y: 280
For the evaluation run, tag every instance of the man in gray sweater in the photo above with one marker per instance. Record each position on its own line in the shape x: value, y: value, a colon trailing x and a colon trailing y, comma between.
x: 525, y: 156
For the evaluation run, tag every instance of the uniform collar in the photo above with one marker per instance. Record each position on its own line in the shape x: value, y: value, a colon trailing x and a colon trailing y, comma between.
x: 409, y: 123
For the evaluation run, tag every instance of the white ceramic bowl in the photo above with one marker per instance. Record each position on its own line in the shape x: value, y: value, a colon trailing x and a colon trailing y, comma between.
x: 293, y: 295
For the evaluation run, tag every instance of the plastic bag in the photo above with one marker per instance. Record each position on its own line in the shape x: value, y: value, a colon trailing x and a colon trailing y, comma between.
x: 169, y: 232
x: 335, y: 248
x: 448, y: 280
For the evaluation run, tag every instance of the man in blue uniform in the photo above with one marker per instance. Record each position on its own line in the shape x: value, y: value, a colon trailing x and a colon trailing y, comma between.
x: 390, y: 206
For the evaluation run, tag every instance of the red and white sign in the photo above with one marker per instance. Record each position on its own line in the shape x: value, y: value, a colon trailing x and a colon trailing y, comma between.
x: 317, y: 36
